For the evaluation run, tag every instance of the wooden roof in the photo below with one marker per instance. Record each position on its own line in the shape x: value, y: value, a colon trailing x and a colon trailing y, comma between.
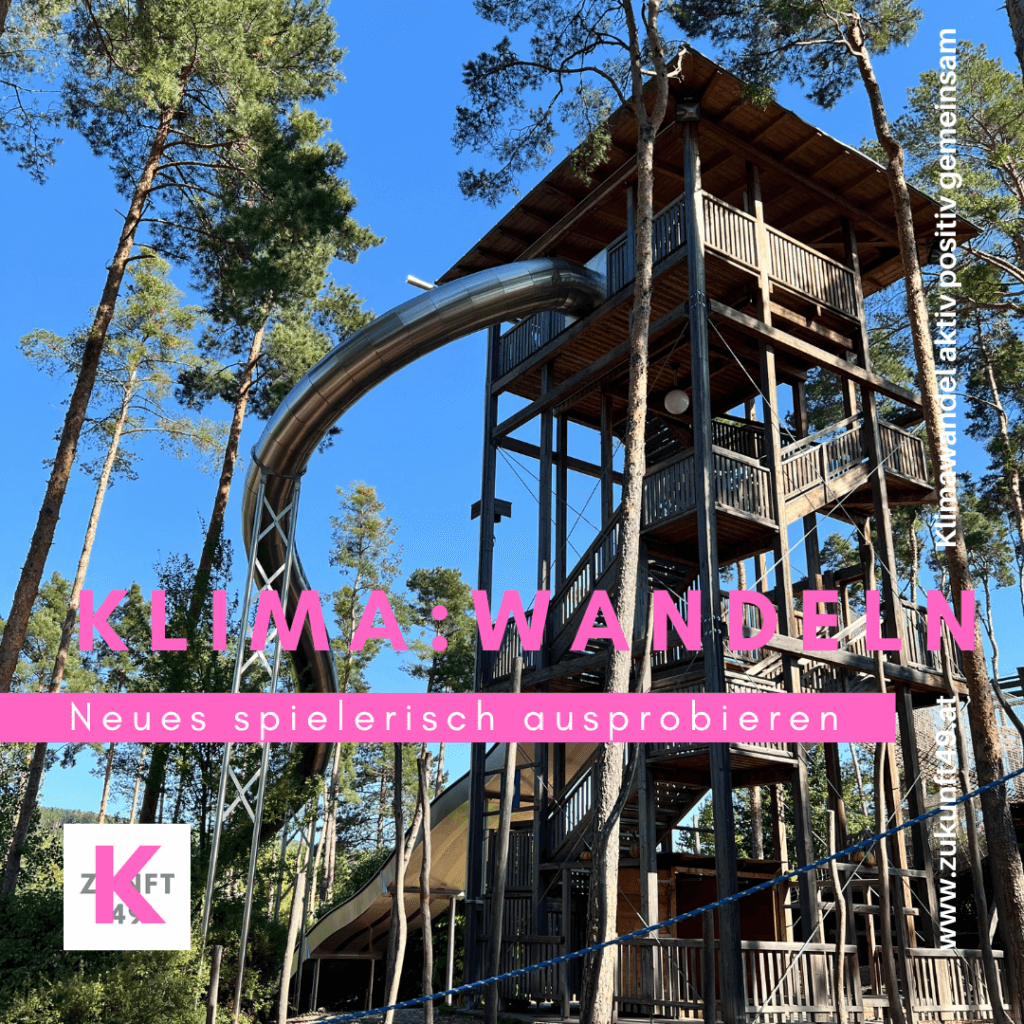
x: 808, y: 182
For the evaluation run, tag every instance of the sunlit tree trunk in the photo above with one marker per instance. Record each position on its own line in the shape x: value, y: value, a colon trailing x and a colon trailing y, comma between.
x: 33, y: 782
x: 49, y: 512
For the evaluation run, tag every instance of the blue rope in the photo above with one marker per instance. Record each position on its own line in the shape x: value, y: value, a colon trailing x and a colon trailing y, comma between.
x: 639, y: 933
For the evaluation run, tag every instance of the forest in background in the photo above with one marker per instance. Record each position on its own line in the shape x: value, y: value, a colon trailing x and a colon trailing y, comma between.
x: 209, y: 124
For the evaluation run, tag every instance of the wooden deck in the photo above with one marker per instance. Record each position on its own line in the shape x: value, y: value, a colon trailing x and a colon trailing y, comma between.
x: 812, y: 294
x: 788, y: 982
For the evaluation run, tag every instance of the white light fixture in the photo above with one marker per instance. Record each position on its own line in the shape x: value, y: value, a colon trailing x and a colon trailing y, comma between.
x: 677, y: 402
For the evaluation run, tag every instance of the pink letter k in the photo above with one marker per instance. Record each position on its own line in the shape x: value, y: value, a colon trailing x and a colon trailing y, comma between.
x: 109, y: 883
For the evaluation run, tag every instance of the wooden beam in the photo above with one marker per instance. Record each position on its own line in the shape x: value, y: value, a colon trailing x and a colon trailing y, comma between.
x: 762, y: 159
x: 563, y: 227
x: 813, y: 354
x: 809, y: 325
x: 513, y: 444
x: 584, y: 376
x: 858, y: 663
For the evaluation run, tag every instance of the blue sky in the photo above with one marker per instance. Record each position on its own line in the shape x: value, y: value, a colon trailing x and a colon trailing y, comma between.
x: 416, y: 437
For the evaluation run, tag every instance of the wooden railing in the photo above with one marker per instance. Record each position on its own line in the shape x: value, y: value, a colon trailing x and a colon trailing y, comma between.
x: 744, y: 437
x: 669, y: 230
x: 903, y: 452
x: 730, y: 231
x: 620, y: 268
x: 528, y: 336
x: 948, y: 984
x: 519, y: 867
x: 580, y: 584
x: 786, y: 981
x: 741, y: 483
x: 573, y: 806
x: 511, y: 648
x: 782, y: 981
x: 824, y: 457
x: 803, y: 269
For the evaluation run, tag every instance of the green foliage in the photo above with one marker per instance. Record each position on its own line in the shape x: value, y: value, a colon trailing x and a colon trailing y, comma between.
x: 43, y: 639
x: 577, y: 65
x: 223, y: 71
x: 856, y: 820
x: 365, y: 552
x: 807, y: 42
x: 450, y: 670
x: 31, y: 46
x: 299, y: 338
x: 355, y: 870
x: 989, y: 140
x: 148, y: 345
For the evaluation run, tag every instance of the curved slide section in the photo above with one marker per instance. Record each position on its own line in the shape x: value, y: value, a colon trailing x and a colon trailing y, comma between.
x: 364, y: 360
x: 359, y: 926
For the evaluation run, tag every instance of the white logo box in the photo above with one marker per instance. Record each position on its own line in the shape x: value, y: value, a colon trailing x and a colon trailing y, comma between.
x: 127, y: 887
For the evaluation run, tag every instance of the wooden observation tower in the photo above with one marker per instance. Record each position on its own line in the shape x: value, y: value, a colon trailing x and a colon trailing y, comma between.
x: 767, y: 235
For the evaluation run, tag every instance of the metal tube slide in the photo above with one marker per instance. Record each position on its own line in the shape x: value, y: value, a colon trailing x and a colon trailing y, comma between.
x: 390, y: 342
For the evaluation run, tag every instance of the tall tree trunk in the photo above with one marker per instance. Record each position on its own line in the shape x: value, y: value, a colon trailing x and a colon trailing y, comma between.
x: 49, y: 512
x: 990, y: 629
x: 756, y: 824
x: 161, y: 751
x: 108, y: 770
x: 294, y: 923
x: 1008, y: 872
x: 839, y: 971
x: 596, y: 1000
x: 1015, y: 11
x: 329, y: 837
x: 12, y: 867
x: 1011, y: 474
x: 220, y: 502
x: 425, y: 865
x: 439, y: 775
x: 19, y: 840
x: 913, y: 541
x: 399, y: 929
x: 68, y: 627
x: 889, y: 976
x: 138, y: 783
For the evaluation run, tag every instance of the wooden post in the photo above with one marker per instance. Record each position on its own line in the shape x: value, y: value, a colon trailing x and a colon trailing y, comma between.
x: 427, y: 982
x: 216, y: 952
x: 563, y: 968
x: 484, y: 660
x: 540, y: 840
x: 607, y: 450
x: 784, y: 606
x: 896, y: 1012
x: 974, y: 853
x: 547, y: 376
x: 449, y: 968
x: 840, y: 912
x: 562, y: 500
x: 707, y: 966
x: 812, y: 547
x: 780, y: 846
x: 764, y: 308
x: 314, y: 995
x: 712, y: 641
x: 508, y: 783
x: 650, y: 961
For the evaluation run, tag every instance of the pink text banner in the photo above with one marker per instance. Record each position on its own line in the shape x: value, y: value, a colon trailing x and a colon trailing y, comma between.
x: 459, y: 718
